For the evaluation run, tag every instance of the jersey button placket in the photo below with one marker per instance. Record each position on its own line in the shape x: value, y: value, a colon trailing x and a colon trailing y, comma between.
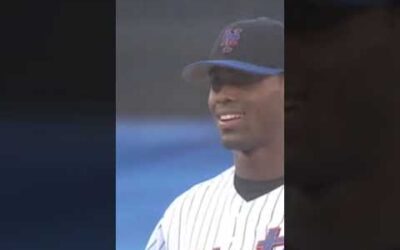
x: 233, y: 234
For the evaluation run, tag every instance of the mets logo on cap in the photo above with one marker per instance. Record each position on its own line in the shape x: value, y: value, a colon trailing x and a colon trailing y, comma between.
x: 230, y: 39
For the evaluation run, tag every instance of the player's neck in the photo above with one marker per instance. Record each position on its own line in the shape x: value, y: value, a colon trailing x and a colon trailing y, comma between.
x: 260, y: 164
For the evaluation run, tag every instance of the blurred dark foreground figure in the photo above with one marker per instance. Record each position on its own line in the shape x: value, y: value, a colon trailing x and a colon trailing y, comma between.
x: 342, y: 125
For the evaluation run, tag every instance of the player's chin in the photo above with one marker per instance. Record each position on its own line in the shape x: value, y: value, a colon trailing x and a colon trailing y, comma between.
x: 235, y: 142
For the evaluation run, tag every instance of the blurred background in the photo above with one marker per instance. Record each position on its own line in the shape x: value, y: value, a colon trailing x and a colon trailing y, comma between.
x: 166, y: 141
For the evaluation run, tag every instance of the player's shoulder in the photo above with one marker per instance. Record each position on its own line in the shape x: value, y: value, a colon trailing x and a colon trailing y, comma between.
x: 201, y: 187
x: 279, y: 189
x: 222, y: 176
x: 278, y: 193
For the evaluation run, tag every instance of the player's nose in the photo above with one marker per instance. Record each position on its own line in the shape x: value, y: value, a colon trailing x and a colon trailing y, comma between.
x: 222, y: 93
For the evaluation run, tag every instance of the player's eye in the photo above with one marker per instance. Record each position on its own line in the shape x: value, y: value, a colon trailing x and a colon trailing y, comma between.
x: 215, y: 82
x: 245, y: 79
x: 220, y: 77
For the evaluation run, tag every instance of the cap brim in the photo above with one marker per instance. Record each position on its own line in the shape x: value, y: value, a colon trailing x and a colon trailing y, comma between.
x: 198, y: 71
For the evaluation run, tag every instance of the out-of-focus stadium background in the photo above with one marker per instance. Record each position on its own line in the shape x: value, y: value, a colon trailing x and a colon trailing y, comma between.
x: 165, y: 140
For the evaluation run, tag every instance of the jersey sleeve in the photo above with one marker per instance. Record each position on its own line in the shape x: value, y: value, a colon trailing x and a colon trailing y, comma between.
x: 157, y: 240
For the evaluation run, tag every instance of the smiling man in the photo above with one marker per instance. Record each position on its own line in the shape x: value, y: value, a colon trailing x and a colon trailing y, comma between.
x: 243, y: 207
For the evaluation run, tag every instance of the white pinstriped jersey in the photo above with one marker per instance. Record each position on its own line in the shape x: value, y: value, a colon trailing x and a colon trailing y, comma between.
x: 213, y: 216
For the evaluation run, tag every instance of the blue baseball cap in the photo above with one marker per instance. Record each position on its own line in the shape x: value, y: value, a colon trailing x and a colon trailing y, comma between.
x: 254, y: 46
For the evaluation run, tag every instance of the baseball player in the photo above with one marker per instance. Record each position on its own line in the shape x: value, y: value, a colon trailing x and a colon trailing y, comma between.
x: 243, y: 207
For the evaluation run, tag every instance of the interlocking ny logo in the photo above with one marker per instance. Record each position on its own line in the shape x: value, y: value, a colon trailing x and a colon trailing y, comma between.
x: 230, y: 39
x: 272, y: 240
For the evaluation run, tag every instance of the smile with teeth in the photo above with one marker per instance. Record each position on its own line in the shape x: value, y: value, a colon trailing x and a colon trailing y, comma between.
x: 229, y: 117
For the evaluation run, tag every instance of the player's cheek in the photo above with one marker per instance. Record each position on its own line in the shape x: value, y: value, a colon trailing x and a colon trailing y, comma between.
x: 211, y: 101
x: 271, y: 114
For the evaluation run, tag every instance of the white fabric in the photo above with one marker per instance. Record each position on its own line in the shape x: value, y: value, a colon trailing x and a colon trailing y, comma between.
x: 213, y: 216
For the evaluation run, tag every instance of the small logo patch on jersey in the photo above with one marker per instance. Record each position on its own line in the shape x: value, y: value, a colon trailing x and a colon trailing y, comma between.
x: 230, y: 39
x: 272, y: 240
